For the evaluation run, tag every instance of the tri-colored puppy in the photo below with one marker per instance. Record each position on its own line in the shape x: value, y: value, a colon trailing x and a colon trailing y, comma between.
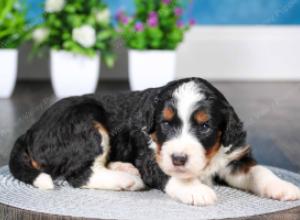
x: 180, y: 137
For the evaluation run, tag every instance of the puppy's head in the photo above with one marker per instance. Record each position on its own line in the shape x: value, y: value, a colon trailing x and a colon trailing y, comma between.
x: 192, y: 122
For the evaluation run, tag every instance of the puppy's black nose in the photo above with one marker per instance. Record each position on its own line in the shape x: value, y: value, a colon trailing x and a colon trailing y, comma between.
x: 179, y: 159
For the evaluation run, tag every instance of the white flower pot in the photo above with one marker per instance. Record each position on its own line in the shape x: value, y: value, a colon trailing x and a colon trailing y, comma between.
x: 73, y: 74
x: 8, y: 71
x: 151, y: 68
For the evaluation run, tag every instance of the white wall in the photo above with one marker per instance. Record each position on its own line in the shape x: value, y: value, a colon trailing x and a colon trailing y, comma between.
x: 241, y: 53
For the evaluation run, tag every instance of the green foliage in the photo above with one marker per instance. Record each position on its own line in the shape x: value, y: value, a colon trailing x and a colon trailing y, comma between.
x: 60, y: 26
x: 12, y: 23
x: 156, y: 25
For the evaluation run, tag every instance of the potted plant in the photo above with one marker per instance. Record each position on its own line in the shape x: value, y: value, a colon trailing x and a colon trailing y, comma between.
x: 12, y: 33
x: 152, y: 35
x: 76, y: 31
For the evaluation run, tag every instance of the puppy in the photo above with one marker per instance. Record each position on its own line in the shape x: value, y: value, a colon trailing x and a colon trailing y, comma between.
x: 180, y: 137
x: 183, y: 136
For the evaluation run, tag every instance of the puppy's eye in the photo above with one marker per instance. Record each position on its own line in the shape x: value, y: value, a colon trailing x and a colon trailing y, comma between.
x: 204, y: 127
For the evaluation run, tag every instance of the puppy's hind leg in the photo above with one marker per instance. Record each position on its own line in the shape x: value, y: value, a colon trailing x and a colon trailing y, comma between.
x: 25, y: 169
x: 246, y: 175
x: 104, y: 178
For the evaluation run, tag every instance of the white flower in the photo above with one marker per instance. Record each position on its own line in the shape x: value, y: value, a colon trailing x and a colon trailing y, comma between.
x: 84, y: 35
x: 40, y: 34
x: 54, y: 5
x: 103, y: 16
x: 17, y: 6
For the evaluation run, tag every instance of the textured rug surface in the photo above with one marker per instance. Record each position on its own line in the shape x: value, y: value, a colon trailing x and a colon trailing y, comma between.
x: 152, y: 204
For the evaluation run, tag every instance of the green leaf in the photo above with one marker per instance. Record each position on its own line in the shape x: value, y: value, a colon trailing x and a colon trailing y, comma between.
x: 12, y: 24
x: 103, y: 35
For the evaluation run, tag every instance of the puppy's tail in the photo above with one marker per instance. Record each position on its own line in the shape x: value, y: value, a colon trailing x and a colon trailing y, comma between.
x: 25, y: 169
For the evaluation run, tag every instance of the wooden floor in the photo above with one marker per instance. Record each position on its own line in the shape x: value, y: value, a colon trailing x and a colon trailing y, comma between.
x: 271, y: 112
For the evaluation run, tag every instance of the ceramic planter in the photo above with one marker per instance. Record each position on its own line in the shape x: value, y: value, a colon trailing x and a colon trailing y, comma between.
x: 8, y: 71
x: 151, y: 68
x: 73, y: 74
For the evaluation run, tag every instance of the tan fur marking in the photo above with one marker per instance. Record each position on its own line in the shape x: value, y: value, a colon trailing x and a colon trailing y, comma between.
x: 201, y: 117
x: 157, y: 153
x: 100, y: 128
x: 102, y: 159
x: 168, y: 114
x: 212, y: 151
x: 158, y: 157
x: 154, y: 137
x: 247, y: 166
x: 35, y: 164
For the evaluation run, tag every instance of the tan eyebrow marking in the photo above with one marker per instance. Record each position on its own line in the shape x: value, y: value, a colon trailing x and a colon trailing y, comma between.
x: 168, y: 113
x: 201, y: 117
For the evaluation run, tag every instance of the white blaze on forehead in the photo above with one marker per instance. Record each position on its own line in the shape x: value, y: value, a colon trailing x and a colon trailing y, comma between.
x: 187, y: 95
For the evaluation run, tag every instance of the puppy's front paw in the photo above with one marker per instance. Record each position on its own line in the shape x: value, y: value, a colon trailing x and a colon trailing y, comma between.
x: 191, y: 192
x: 280, y: 190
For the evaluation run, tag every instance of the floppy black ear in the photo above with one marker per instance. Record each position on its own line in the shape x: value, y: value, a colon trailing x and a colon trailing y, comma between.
x: 234, y: 133
x: 145, y: 116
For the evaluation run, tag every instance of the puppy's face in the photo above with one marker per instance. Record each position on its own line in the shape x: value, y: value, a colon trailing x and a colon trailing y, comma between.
x: 188, y: 129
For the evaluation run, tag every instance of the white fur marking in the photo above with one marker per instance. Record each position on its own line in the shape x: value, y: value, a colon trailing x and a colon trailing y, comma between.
x: 103, y: 178
x: 44, y: 181
x: 189, y: 146
x: 187, y: 95
x: 152, y: 145
x: 191, y: 192
x: 124, y: 167
x: 219, y: 161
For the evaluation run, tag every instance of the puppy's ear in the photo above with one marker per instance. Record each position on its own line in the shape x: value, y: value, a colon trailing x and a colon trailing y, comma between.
x: 145, y: 116
x: 233, y: 133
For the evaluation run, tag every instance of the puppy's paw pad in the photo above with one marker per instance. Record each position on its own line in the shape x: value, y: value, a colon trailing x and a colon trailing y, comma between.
x: 44, y: 181
x: 124, y: 167
x: 281, y: 190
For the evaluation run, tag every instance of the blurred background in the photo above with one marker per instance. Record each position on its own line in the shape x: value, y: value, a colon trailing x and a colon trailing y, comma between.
x: 249, y: 49
x: 233, y: 39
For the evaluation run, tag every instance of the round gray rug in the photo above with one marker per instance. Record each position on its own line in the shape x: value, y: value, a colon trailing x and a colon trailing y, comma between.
x: 153, y: 204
